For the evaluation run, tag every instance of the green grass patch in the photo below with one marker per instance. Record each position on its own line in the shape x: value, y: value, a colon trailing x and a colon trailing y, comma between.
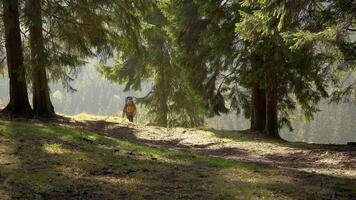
x: 47, y: 161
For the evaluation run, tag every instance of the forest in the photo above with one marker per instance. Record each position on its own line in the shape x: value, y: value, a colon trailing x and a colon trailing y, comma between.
x: 178, y: 99
x: 333, y: 124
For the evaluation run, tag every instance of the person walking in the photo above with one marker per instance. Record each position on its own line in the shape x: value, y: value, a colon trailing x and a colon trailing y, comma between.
x: 129, y: 109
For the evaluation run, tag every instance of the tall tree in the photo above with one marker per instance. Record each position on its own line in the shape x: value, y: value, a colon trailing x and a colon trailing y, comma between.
x: 41, y: 101
x: 63, y: 34
x: 19, y: 104
x: 300, y: 54
x: 170, y: 101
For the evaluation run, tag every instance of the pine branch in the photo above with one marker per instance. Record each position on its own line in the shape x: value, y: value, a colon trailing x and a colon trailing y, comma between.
x: 24, y: 34
x: 67, y: 20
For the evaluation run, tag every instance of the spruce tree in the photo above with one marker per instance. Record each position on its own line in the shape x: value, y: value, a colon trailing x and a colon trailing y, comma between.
x: 171, y: 101
x: 41, y: 101
x: 64, y: 34
x: 19, y: 104
x: 299, y: 53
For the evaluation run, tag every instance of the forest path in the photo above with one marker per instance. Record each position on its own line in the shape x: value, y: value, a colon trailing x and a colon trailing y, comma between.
x: 332, y: 160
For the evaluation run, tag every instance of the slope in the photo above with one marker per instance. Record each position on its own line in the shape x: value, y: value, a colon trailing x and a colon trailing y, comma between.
x: 90, y: 157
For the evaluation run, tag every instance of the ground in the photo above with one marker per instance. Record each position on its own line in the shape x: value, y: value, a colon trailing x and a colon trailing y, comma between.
x: 98, y: 157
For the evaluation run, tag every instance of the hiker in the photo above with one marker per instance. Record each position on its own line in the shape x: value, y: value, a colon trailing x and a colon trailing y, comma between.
x: 129, y: 109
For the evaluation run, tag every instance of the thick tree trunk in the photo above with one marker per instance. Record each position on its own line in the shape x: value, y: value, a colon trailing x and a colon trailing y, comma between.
x: 41, y: 101
x: 258, y: 108
x: 271, y: 109
x: 19, y: 104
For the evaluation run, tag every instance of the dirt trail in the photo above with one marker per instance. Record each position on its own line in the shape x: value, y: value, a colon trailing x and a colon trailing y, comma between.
x: 332, y: 160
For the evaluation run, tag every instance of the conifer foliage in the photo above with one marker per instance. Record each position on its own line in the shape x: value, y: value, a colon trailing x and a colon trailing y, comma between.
x: 264, y: 59
x: 171, y: 101
x: 57, y: 38
x: 298, y: 51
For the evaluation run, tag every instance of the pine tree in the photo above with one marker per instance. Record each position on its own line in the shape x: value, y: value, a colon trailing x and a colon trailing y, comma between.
x: 19, y: 104
x: 64, y: 34
x: 41, y: 101
x: 285, y: 35
x: 171, y: 101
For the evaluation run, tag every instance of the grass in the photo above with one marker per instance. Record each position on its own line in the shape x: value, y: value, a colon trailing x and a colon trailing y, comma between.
x: 238, y: 136
x: 46, y: 161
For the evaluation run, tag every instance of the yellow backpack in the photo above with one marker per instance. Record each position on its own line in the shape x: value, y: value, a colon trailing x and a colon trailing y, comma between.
x: 130, y: 109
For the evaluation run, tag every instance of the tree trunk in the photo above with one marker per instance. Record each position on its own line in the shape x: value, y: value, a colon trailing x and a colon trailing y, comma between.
x: 19, y: 104
x: 271, y: 109
x: 258, y: 108
x: 163, y: 88
x: 258, y: 97
x: 164, y: 106
x: 41, y: 101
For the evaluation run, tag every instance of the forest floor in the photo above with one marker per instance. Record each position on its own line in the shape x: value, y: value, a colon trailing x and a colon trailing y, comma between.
x: 99, y: 157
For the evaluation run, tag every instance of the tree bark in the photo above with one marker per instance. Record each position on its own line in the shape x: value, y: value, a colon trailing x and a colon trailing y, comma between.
x: 41, y: 101
x: 19, y: 104
x: 258, y: 108
x: 258, y: 97
x: 271, y: 127
x: 164, y: 117
x: 163, y: 84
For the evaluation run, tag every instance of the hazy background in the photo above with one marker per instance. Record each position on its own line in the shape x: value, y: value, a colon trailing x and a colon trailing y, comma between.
x: 334, y: 124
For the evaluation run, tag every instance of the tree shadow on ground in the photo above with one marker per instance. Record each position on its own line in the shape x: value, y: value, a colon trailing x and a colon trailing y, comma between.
x: 67, y: 167
x: 247, y: 135
x: 126, y: 133
x: 338, y: 158
x: 300, y: 156
x: 50, y: 162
